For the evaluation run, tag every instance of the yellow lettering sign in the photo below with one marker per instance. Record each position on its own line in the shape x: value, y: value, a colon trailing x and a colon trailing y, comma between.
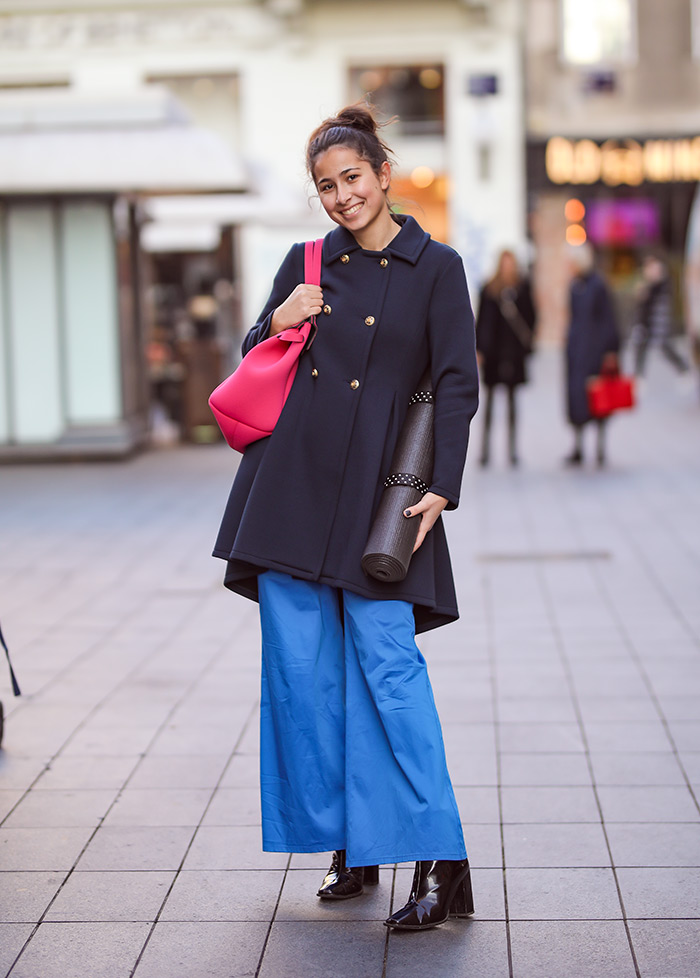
x: 622, y: 162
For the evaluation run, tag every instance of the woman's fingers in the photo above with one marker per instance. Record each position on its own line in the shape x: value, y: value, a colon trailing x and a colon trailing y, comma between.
x: 305, y: 301
x: 429, y: 509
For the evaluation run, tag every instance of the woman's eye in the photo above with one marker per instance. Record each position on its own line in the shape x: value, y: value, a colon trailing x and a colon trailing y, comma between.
x: 325, y: 187
x: 353, y: 176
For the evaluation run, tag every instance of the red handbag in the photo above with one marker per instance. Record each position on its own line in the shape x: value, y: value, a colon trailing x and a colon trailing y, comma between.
x: 247, y: 405
x: 609, y: 393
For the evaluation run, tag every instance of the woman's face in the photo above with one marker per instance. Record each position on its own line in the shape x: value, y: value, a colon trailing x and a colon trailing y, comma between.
x: 352, y: 194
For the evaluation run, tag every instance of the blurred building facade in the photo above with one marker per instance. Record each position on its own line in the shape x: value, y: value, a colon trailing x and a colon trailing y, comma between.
x: 257, y: 75
x: 613, y: 139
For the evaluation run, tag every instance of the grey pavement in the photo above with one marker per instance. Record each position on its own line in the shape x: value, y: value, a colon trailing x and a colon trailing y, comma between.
x: 569, y: 693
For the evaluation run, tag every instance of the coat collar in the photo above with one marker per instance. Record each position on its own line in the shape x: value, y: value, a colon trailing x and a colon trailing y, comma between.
x: 408, y: 243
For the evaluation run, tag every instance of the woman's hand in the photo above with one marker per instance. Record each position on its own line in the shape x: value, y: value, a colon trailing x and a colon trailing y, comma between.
x: 304, y: 302
x: 429, y: 508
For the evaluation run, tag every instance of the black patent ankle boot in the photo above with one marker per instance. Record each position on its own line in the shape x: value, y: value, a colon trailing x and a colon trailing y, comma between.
x: 441, y: 889
x: 343, y: 882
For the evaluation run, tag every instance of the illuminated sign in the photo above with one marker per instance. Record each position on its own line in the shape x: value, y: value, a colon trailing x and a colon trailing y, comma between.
x: 624, y: 161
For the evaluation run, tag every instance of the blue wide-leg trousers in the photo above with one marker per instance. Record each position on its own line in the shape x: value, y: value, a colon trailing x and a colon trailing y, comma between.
x: 351, y: 749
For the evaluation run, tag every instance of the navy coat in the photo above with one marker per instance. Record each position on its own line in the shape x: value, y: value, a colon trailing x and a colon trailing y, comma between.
x: 303, y: 500
x: 592, y: 333
x: 502, y: 349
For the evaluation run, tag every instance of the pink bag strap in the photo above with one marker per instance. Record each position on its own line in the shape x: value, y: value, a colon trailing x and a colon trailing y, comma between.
x: 312, y: 261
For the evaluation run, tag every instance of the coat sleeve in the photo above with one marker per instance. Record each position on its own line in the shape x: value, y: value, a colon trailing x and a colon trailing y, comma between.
x: 289, y: 275
x: 454, y: 375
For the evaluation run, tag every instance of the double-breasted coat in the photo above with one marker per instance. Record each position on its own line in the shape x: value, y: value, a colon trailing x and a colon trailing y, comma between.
x: 303, y: 500
x: 592, y: 334
x: 498, y: 339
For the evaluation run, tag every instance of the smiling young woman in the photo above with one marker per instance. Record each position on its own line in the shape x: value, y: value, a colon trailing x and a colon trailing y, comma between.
x: 352, y: 757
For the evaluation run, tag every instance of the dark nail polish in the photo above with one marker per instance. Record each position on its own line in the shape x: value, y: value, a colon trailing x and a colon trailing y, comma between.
x: 407, y: 512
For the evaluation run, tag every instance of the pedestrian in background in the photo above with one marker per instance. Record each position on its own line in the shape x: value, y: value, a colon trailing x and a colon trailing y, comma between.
x: 655, y: 317
x: 505, y: 327
x: 352, y: 756
x: 592, y: 345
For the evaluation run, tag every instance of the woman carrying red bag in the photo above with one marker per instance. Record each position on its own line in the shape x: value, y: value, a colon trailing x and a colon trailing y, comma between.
x: 352, y: 757
x: 592, y: 346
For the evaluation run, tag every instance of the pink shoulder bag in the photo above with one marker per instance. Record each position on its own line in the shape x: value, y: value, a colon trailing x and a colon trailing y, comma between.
x: 247, y: 405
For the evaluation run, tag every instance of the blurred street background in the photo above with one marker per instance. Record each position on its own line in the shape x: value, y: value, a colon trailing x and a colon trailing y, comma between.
x: 151, y: 179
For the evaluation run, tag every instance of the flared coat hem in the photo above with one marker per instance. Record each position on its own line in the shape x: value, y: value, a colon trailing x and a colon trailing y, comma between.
x: 243, y: 580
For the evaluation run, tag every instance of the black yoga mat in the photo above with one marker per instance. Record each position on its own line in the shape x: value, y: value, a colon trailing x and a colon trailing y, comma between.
x: 391, y: 539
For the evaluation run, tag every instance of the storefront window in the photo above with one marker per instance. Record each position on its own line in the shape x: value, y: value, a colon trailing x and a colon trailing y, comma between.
x: 413, y: 93
x: 598, y: 31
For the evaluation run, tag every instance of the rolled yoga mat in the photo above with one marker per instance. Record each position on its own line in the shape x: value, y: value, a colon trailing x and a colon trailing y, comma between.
x: 391, y: 539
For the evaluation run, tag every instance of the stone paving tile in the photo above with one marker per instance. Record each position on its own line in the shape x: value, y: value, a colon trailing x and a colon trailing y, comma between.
x: 628, y: 737
x: 16, y: 771
x: 555, y: 846
x: 547, y: 738
x: 653, y: 892
x: 232, y: 847
x: 536, y: 709
x: 73, y: 773
x: 549, y: 804
x: 680, y: 707
x: 667, y: 948
x: 121, y: 847
x: 41, y: 849
x: 571, y: 949
x: 8, y: 800
x: 117, y: 741
x: 483, y: 846
x: 636, y: 769
x: 477, y: 804
x: 234, y: 806
x: 25, y: 896
x: 227, y: 949
x: 243, y: 772
x: 104, y: 896
x: 12, y: 940
x: 230, y: 895
x: 655, y: 844
x: 647, y: 804
x: 562, y: 894
x: 60, y: 809
x: 472, y: 769
x: 159, y: 807
x: 686, y: 734
x: 613, y: 709
x: 460, y: 949
x: 313, y: 949
x: 542, y: 770
x: 76, y: 950
x: 172, y: 771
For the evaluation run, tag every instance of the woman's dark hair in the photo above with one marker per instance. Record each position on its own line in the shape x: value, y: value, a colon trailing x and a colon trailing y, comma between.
x: 354, y: 126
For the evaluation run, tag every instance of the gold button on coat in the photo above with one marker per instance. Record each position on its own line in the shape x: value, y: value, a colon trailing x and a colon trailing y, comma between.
x: 354, y: 384
x: 314, y: 373
x: 327, y: 310
x: 345, y: 259
x: 369, y: 321
x: 384, y: 262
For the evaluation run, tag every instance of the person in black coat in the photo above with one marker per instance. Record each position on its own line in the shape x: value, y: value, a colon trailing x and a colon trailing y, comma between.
x: 655, y: 317
x: 504, y: 335
x: 592, y: 346
x: 352, y: 758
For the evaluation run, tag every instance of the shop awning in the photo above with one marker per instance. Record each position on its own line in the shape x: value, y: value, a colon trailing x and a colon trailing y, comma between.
x: 158, y: 160
x: 60, y: 142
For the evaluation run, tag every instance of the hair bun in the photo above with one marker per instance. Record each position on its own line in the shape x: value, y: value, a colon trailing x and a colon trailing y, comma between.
x: 357, y: 116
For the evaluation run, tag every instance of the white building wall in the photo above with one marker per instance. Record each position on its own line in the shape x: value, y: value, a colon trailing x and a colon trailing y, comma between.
x: 291, y: 74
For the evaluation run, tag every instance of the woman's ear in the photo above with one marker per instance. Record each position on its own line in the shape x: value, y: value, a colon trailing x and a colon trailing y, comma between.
x: 385, y: 175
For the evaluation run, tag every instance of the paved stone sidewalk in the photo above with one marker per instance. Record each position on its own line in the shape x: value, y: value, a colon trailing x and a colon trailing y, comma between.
x: 569, y: 692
